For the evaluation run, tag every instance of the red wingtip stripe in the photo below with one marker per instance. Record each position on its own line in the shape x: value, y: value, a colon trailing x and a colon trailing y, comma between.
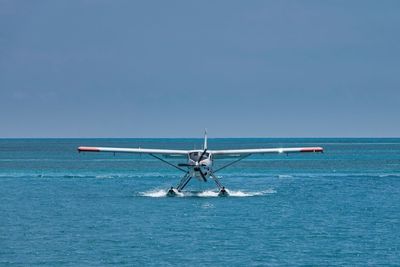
x: 312, y: 149
x: 88, y: 149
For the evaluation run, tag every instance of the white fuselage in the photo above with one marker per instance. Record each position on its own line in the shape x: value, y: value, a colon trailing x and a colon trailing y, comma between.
x: 204, y: 165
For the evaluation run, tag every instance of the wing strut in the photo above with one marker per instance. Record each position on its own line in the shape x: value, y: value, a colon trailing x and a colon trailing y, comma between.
x: 233, y: 162
x: 169, y: 163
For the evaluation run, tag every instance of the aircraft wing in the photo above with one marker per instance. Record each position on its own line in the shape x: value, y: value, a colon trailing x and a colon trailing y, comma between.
x: 244, y: 152
x: 163, y: 152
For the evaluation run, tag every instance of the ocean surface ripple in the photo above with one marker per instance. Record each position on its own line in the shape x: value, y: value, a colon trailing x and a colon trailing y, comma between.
x: 62, y: 208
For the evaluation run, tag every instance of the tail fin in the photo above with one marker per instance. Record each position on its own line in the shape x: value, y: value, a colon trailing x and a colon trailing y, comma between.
x: 205, y: 139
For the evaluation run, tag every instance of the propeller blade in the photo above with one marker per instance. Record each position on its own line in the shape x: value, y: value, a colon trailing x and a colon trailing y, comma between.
x: 202, y: 175
x: 202, y: 154
x: 185, y: 165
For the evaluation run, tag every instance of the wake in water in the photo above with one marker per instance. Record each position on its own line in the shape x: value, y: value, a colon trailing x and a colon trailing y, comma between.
x: 206, y: 193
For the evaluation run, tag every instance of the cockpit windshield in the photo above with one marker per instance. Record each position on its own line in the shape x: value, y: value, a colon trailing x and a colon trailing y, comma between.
x: 196, y: 155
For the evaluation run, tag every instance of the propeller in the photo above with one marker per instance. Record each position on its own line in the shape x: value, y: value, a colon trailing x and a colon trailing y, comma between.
x: 197, y: 164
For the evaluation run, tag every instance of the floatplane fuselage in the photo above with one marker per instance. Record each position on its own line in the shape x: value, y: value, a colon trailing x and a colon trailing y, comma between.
x: 199, y: 164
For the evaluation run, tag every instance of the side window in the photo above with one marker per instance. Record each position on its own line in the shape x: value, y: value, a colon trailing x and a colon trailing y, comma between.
x: 193, y: 156
x: 205, y: 156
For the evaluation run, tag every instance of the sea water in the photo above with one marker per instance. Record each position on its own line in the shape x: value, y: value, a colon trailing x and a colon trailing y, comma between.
x: 62, y: 208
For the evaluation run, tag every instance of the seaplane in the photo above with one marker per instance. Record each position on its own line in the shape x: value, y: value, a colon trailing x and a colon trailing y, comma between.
x: 200, y: 162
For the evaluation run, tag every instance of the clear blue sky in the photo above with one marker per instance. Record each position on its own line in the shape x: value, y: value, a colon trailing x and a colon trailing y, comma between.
x: 172, y: 68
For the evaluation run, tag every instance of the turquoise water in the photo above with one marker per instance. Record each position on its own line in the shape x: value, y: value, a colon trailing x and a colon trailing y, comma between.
x: 61, y: 208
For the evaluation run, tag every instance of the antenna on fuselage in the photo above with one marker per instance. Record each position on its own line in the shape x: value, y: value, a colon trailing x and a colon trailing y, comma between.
x: 205, y: 139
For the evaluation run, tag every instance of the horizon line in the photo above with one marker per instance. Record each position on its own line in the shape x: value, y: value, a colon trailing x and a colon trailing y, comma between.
x: 228, y: 137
